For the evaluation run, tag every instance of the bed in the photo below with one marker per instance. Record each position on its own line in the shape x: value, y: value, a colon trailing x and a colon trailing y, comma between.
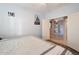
x: 31, y: 46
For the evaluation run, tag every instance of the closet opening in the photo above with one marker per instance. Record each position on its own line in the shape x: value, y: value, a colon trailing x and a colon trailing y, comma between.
x: 58, y: 30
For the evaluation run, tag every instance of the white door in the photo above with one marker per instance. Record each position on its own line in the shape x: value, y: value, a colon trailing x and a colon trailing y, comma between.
x: 46, y: 29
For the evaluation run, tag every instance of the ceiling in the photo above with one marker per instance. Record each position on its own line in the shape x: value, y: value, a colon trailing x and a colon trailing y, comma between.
x: 41, y: 7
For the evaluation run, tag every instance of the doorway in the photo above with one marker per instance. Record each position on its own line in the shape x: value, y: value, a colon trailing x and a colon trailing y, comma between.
x: 58, y: 30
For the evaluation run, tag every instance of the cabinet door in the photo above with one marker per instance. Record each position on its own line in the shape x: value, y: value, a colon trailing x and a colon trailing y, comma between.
x: 46, y: 29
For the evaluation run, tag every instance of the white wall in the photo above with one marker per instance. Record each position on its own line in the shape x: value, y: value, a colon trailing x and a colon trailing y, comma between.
x: 73, y: 22
x: 21, y: 24
x: 73, y: 31
x: 45, y: 29
x: 63, y: 11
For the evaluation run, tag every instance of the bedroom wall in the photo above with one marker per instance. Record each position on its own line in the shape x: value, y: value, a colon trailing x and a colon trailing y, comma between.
x: 21, y: 24
x: 73, y: 31
x: 63, y: 11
